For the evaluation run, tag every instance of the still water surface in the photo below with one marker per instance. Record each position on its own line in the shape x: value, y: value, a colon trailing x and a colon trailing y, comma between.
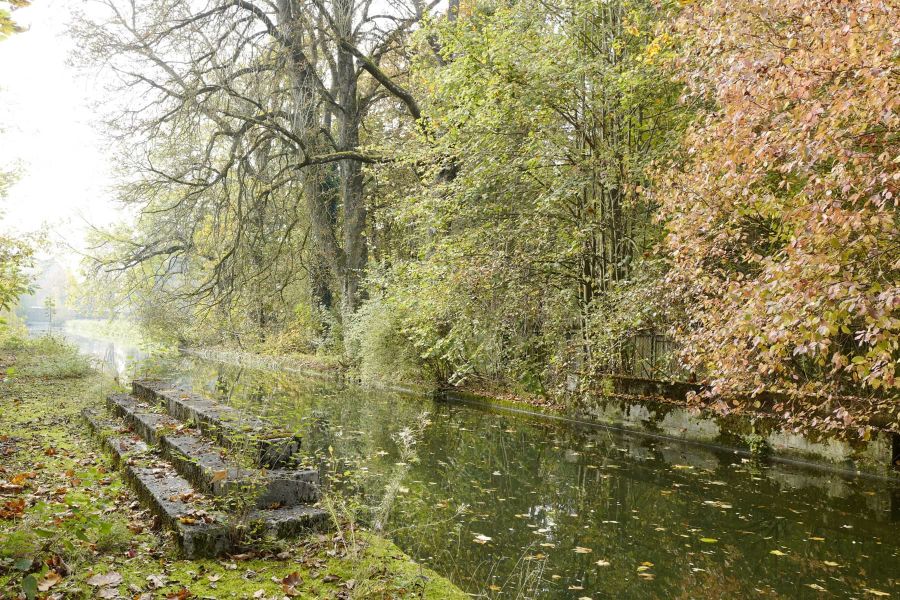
x: 509, y: 507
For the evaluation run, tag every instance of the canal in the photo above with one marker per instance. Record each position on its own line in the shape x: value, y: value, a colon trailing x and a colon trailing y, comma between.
x: 507, y: 506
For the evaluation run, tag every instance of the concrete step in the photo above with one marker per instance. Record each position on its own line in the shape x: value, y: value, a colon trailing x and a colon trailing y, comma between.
x: 202, y: 530
x: 271, y: 447
x: 208, y: 467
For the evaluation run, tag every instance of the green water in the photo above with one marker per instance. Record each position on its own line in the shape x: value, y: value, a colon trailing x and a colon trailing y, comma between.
x: 511, y: 507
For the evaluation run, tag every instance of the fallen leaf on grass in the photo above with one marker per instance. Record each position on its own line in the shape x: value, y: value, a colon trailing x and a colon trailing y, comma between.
x: 21, y: 478
x: 290, y: 582
x: 602, y: 563
x: 580, y: 550
x: 49, y: 580
x: 481, y: 539
x: 106, y: 579
x: 777, y: 552
x: 12, y: 509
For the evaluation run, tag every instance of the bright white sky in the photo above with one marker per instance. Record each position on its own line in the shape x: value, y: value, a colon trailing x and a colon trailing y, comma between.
x: 48, y: 126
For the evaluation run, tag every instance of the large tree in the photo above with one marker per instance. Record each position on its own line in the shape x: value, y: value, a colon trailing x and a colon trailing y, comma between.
x: 242, y: 126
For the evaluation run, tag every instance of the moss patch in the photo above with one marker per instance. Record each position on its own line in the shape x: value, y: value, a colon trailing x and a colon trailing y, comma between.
x: 70, y: 526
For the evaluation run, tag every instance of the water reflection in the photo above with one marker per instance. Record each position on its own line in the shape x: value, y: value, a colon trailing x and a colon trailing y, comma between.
x: 507, y: 506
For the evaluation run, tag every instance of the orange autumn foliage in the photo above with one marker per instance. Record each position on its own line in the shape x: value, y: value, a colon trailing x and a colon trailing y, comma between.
x: 783, y: 218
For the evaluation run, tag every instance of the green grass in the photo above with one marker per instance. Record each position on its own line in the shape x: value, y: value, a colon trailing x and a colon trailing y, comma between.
x: 64, y: 511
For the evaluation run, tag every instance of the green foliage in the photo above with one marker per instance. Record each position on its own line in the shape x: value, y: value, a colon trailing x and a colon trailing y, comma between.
x: 50, y: 357
x: 522, y: 253
x: 377, y: 344
x: 8, y: 25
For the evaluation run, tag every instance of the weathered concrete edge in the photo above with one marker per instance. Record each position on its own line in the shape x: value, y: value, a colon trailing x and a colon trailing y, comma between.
x: 643, y: 416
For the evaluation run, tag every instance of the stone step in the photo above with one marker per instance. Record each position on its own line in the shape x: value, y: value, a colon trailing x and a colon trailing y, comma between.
x: 206, y: 466
x: 272, y: 447
x: 200, y: 528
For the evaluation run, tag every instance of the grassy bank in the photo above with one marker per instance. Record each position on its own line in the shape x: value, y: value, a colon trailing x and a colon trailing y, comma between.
x: 70, y: 527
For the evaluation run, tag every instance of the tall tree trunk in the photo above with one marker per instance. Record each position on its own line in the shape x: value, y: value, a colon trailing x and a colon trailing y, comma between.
x: 352, y: 200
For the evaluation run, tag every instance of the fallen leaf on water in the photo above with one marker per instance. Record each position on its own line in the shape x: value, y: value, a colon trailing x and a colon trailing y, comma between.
x: 106, y: 579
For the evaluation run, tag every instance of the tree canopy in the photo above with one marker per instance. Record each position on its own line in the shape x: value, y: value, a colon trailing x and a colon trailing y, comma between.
x: 520, y: 194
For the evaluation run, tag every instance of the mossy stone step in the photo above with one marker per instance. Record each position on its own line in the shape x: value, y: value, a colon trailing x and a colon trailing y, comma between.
x: 201, y: 529
x: 272, y: 447
x: 205, y: 465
